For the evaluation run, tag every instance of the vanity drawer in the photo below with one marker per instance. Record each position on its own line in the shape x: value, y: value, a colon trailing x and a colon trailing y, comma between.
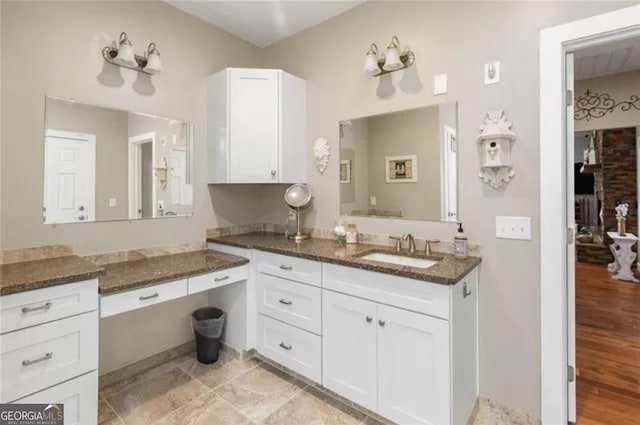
x: 30, y: 308
x: 293, y: 268
x: 204, y: 282
x: 36, y: 358
x: 294, y: 348
x: 291, y: 302
x: 79, y: 396
x: 143, y: 297
x: 410, y: 294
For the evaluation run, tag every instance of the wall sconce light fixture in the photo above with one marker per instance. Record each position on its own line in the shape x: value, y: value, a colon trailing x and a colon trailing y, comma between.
x: 392, y: 60
x: 123, y: 55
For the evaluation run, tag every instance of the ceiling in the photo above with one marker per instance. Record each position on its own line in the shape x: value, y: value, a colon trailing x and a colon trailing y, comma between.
x: 263, y: 23
x: 607, y: 59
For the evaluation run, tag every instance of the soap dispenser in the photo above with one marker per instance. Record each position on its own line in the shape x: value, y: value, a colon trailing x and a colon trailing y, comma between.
x: 460, y: 244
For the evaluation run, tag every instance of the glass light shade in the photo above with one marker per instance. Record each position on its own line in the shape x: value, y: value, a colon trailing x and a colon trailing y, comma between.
x: 125, y: 53
x: 392, y: 61
x: 371, y: 64
x: 154, y: 65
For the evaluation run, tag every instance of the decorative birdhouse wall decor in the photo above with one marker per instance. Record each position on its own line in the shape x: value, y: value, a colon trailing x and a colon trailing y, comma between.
x: 495, y: 142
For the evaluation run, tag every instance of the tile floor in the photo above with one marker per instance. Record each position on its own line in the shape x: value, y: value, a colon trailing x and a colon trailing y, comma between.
x: 233, y: 392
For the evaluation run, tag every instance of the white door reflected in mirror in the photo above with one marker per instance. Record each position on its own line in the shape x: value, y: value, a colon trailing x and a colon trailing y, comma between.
x: 108, y: 164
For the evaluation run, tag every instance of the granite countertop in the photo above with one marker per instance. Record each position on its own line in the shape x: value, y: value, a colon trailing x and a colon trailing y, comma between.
x: 134, y: 274
x: 448, y: 271
x: 38, y: 274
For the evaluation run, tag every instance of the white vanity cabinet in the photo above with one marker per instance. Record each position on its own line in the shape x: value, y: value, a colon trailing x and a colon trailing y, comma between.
x: 256, y: 127
x: 386, y: 354
x: 49, y: 349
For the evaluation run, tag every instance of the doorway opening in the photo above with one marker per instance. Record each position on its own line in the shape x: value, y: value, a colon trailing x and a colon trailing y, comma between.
x: 557, y: 208
x: 604, y: 338
x: 142, y: 185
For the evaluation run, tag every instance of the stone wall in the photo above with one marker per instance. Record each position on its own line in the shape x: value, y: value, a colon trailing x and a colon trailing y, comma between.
x: 619, y: 181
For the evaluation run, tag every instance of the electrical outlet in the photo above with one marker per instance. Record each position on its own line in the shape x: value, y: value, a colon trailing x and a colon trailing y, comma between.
x: 513, y: 228
x: 373, y: 201
x: 160, y: 205
x: 113, y: 202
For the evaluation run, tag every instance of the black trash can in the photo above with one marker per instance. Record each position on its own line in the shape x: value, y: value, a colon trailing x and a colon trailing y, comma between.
x: 208, y: 324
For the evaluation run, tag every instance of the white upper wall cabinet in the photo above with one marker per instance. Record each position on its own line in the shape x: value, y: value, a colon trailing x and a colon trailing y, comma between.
x: 256, y: 127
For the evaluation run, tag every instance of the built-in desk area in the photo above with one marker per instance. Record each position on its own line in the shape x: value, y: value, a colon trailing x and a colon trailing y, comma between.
x: 50, y: 311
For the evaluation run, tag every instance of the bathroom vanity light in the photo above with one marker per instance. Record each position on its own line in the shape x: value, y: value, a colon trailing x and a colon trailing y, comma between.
x: 392, y: 60
x: 123, y: 55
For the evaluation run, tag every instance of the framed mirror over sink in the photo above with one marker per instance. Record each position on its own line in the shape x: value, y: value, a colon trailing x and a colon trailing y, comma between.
x: 401, y: 165
x: 105, y: 164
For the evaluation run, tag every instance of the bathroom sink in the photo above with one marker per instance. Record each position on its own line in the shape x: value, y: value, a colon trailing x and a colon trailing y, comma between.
x: 400, y: 260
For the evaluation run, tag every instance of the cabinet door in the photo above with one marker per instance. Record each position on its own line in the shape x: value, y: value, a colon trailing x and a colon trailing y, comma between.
x: 253, y: 125
x: 413, y: 367
x: 79, y: 396
x: 349, y: 348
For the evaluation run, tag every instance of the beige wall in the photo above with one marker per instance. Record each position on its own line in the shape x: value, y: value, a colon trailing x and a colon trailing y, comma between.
x: 455, y: 38
x: 413, y: 132
x: 54, y: 49
x: 620, y: 87
x: 110, y: 128
x: 69, y: 37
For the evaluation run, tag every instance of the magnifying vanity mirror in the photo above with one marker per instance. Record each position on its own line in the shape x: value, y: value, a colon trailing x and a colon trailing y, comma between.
x: 401, y: 165
x: 104, y: 164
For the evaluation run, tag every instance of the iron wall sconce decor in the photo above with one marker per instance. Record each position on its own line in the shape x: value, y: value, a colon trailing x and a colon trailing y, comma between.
x: 392, y: 60
x: 121, y: 54
x: 595, y: 105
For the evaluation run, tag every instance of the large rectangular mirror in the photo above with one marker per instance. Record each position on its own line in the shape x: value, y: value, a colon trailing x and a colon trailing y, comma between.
x: 401, y: 165
x: 109, y: 164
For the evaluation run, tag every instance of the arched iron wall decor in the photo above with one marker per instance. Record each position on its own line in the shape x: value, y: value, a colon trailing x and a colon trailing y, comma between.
x: 597, y: 105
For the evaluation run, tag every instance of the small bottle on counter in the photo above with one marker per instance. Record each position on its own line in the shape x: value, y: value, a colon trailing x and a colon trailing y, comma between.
x: 352, y: 233
x: 460, y: 244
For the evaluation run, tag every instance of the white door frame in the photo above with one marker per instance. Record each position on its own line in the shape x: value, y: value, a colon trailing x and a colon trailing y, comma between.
x: 449, y: 139
x: 135, y: 172
x: 555, y: 43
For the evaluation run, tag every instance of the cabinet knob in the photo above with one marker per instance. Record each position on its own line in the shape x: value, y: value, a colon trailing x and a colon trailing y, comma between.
x: 369, y: 319
x: 273, y: 172
x: 381, y: 322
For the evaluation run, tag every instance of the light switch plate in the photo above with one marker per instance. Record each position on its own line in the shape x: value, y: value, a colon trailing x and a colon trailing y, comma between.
x: 513, y: 228
x: 373, y: 201
x: 113, y: 202
x: 440, y: 84
x: 491, y: 73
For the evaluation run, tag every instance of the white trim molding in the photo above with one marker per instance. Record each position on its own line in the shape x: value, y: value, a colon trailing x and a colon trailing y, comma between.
x: 555, y: 43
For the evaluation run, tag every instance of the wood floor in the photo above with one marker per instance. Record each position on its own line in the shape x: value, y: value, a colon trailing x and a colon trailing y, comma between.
x: 607, y: 348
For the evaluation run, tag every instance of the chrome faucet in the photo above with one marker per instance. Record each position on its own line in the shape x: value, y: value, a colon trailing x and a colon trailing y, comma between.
x: 412, y: 242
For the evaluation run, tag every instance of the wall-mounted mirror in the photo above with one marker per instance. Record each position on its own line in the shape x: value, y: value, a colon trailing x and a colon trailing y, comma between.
x: 401, y: 165
x: 109, y: 164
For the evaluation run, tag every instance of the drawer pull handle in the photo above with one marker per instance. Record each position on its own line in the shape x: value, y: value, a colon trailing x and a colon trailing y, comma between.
x: 381, y: 323
x: 285, y: 302
x: 286, y: 346
x: 369, y: 319
x: 465, y: 291
x: 220, y: 279
x: 286, y: 267
x: 47, y: 356
x: 148, y: 297
x: 45, y: 306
